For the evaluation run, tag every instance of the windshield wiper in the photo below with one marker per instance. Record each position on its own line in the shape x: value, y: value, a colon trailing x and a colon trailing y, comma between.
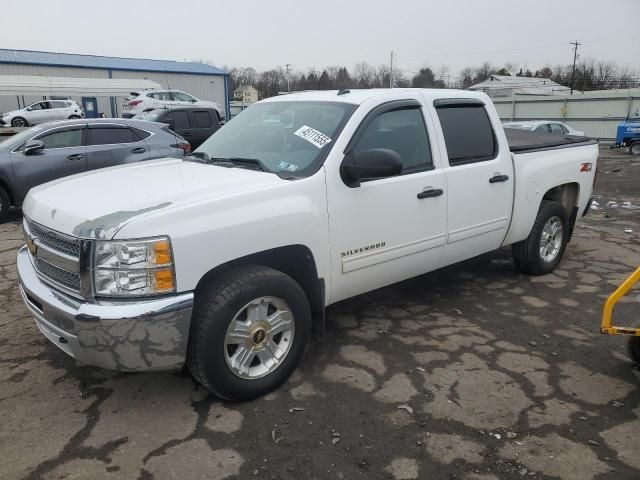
x: 250, y: 163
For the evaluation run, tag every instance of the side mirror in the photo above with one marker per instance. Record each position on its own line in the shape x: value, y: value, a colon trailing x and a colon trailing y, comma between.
x: 193, y: 100
x: 370, y: 165
x: 29, y: 109
x: 33, y: 146
x: 172, y: 124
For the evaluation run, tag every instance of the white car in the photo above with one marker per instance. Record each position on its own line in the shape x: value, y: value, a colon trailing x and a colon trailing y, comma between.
x: 41, y: 112
x: 226, y: 260
x: 147, y: 100
x: 545, y: 126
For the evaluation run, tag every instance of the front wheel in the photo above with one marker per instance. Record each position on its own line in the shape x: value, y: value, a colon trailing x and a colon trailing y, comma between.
x: 248, y: 332
x: 541, y: 252
x: 74, y: 117
x: 19, y: 122
x: 634, y: 149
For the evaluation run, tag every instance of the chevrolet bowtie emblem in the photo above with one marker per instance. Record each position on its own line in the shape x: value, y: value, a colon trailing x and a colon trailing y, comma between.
x: 33, y: 248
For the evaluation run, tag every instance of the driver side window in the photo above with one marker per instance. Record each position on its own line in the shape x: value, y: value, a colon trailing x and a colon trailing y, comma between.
x: 402, y: 131
x: 62, y: 139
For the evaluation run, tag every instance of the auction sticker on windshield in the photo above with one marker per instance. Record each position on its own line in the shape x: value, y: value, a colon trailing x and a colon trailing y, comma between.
x: 312, y: 136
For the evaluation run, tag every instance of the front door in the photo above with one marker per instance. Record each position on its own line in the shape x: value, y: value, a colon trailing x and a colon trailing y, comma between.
x: 39, y: 112
x: 479, y: 179
x: 90, y: 107
x: 63, y: 155
x: 389, y: 229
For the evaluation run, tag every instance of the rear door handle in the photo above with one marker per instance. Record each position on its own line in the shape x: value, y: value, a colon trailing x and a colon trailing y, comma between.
x: 139, y: 150
x: 433, y: 192
x: 76, y: 156
x: 498, y: 178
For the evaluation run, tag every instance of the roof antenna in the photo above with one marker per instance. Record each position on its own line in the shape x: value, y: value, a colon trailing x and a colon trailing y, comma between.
x: 344, y: 91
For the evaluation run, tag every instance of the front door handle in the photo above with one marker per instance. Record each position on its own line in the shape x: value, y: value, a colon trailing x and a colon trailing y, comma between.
x: 139, y: 150
x: 498, y: 178
x: 433, y: 192
x: 77, y: 156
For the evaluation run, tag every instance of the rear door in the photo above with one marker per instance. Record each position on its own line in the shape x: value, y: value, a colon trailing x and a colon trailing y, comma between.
x: 113, y: 144
x: 180, y: 122
x: 64, y: 154
x: 205, y: 123
x: 479, y: 178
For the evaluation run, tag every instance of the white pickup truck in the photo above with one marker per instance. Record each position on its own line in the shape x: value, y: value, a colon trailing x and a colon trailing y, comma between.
x: 226, y: 261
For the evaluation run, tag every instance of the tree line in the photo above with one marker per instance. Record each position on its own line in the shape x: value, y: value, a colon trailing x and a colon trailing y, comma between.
x: 589, y: 74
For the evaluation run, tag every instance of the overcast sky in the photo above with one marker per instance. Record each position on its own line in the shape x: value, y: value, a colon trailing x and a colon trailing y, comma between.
x: 307, y: 34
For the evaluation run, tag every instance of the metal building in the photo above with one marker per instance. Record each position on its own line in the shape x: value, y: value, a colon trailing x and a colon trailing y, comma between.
x: 597, y: 113
x: 201, y: 80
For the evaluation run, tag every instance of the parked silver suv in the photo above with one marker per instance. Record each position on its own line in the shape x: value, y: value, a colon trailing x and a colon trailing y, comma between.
x: 147, y: 100
x: 41, y: 112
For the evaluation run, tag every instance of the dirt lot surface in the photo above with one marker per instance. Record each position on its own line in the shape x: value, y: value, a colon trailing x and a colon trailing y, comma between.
x: 473, y: 372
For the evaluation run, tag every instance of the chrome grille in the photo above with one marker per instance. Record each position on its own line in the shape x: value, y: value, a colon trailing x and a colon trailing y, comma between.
x: 58, y: 275
x: 55, y: 241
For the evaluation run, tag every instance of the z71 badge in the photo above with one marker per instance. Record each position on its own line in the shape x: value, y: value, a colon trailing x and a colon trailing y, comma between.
x: 373, y: 246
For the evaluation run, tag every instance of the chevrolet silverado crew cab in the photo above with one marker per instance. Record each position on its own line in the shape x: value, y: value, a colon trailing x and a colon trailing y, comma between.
x: 225, y: 261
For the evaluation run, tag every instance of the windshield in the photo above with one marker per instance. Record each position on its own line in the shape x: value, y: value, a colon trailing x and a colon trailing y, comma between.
x: 291, y: 137
x: 518, y: 126
x: 150, y: 116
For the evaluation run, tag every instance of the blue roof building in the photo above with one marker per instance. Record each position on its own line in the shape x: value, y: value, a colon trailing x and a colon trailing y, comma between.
x: 204, y: 81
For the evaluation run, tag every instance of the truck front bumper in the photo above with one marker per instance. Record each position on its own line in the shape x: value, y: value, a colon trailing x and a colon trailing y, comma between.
x: 134, y: 335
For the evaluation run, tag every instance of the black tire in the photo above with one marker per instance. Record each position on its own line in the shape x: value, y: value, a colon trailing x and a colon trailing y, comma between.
x: 634, y: 149
x: 215, y: 307
x: 74, y: 117
x: 5, y: 204
x: 526, y: 254
x: 19, y: 122
x: 634, y: 350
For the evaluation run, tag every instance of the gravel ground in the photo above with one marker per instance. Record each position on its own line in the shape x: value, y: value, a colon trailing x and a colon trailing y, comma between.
x: 473, y: 372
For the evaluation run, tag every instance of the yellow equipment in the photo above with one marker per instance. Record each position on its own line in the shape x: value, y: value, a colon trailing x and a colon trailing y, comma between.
x: 607, y: 328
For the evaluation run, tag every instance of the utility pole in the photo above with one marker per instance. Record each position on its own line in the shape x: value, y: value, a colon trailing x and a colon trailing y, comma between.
x: 575, y: 56
x: 391, y: 71
x: 288, y: 77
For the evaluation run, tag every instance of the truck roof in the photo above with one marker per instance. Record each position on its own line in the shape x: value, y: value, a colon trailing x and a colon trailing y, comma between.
x: 357, y: 96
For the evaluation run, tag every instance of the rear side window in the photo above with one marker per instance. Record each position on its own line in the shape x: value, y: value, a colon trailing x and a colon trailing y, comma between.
x: 165, y: 96
x: 62, y: 139
x: 180, y: 119
x: 110, y: 135
x: 202, y: 119
x: 141, y: 134
x: 467, y: 133
x: 557, y: 128
x: 402, y: 131
x: 544, y: 128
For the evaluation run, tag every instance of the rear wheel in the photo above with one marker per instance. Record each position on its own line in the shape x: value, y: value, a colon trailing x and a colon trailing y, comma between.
x: 5, y: 204
x: 249, y: 330
x: 634, y: 350
x: 634, y: 149
x: 19, y: 122
x: 542, y: 251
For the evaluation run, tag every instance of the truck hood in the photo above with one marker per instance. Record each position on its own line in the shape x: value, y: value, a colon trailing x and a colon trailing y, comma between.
x: 97, y: 204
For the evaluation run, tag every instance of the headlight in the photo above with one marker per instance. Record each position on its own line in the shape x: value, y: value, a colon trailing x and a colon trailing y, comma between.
x: 133, y: 268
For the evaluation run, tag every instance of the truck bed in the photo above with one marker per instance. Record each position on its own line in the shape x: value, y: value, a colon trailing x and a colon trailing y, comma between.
x: 522, y: 141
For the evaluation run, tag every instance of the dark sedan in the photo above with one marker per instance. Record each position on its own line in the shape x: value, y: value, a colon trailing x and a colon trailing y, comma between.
x: 58, y: 149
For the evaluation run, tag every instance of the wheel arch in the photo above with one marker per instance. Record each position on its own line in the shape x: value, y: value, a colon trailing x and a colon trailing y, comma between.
x: 567, y: 195
x: 7, y: 186
x: 296, y: 261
